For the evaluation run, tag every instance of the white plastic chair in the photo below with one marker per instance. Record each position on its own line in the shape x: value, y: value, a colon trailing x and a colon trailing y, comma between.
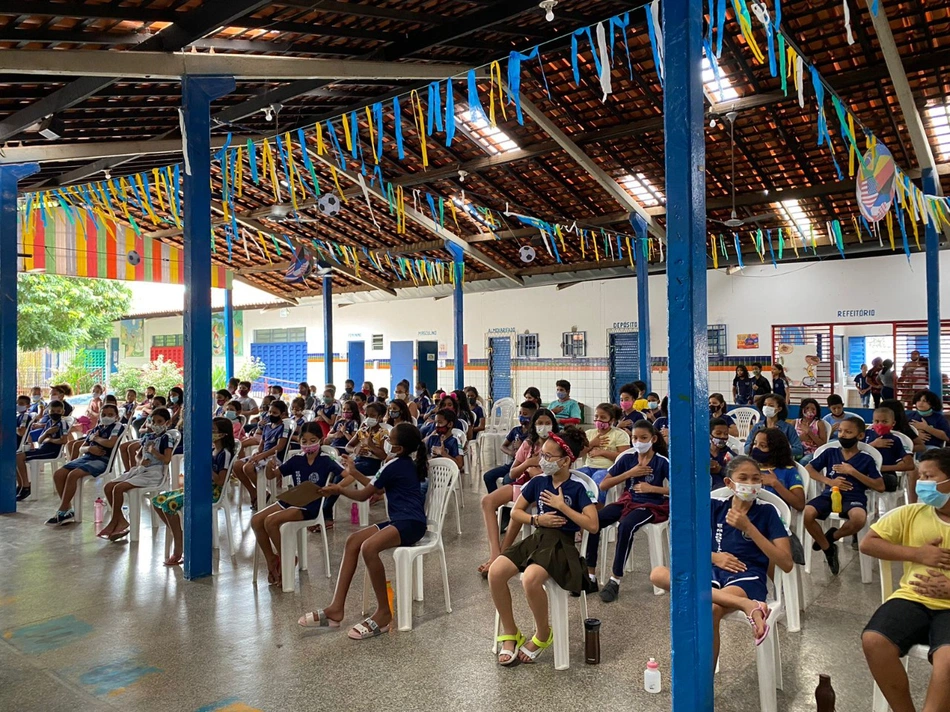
x: 920, y: 652
x: 34, y: 468
x: 457, y: 491
x: 745, y: 418
x: 443, y: 473
x: 659, y: 550
x: 735, y: 444
x: 141, y: 493
x: 813, y: 489
x: 853, y: 415
x: 768, y: 655
x: 77, y: 498
x: 308, y: 416
x: 262, y: 482
x: 558, y: 597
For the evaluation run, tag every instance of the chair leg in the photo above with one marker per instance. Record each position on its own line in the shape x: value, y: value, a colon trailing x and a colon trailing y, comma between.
x: 214, y: 528
x: 288, y: 572
x: 417, y: 592
x: 557, y: 600
x: 135, y: 514
x: 363, y: 509
x: 261, y: 489
x: 254, y: 565
x: 777, y: 657
x: 77, y: 501
x: 602, y: 554
x: 226, y: 508
x: 865, y: 562
x: 458, y: 515
x: 765, y: 664
x: 326, y: 547
x: 494, y: 638
x: 445, y: 581
x: 793, y: 612
x: 879, y: 704
x: 655, y: 544
x: 302, y: 552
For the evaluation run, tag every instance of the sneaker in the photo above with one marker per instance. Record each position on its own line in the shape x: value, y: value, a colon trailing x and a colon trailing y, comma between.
x: 56, y: 520
x: 69, y: 517
x: 831, y: 556
x: 610, y: 592
x: 23, y: 493
x: 829, y: 535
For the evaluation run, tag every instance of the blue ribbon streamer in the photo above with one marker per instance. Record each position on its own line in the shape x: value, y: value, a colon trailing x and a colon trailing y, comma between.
x: 431, y: 202
x: 820, y: 98
x: 397, y: 123
x: 474, y: 103
x: 770, y: 36
x: 378, y: 120
x: 720, y: 25
x: 282, y: 154
x: 449, y: 112
x: 252, y: 160
x: 336, y: 144
x: 900, y: 222
x: 735, y: 239
x: 621, y: 22
x: 308, y: 163
x: 778, y: 15
x: 715, y: 67
x: 574, y: 49
x: 354, y: 134
x: 656, y: 53
x: 176, y: 174
x: 514, y: 79
x: 435, y: 107
x: 768, y: 234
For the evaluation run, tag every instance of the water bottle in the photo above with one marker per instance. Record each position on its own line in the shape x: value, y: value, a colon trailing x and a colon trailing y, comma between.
x: 354, y: 514
x: 836, y: 500
x: 390, y: 597
x: 651, y: 677
x: 100, y: 509
x: 825, y: 694
x: 592, y: 641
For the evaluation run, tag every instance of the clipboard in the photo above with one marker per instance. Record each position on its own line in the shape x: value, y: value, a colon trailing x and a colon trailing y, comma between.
x: 301, y: 495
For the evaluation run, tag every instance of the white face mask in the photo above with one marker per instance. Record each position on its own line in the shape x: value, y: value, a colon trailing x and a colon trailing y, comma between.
x: 747, y: 492
x: 769, y: 411
x: 642, y: 448
x: 387, y: 447
x: 550, y: 467
x: 543, y: 431
x: 106, y: 420
x: 370, y: 422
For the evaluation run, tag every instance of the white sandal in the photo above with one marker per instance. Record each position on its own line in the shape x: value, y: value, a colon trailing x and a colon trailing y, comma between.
x: 367, y: 629
x: 319, y: 620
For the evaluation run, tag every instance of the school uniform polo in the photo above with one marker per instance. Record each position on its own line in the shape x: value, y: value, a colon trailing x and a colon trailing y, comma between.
x: 728, y: 539
x: 855, y: 497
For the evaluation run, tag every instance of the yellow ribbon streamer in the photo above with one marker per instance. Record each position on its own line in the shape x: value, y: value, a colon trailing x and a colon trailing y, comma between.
x: 347, y: 138
x: 890, y: 227
x: 715, y: 253
x: 321, y: 144
x: 372, y: 135
x: 336, y: 182
x: 420, y: 126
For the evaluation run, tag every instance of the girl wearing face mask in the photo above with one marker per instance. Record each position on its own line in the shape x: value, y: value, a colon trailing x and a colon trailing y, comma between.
x: 274, y: 434
x: 717, y: 409
x: 605, y: 443
x: 422, y: 401
x: 564, y: 507
x: 369, y: 392
x: 442, y: 443
x: 451, y: 403
x: 478, y: 413
x: 810, y: 428
x: 406, y: 468
x: 895, y: 455
x: 367, y: 443
x: 168, y: 505
x: 232, y: 413
x: 402, y: 396
x: 398, y: 412
x: 527, y: 464
x: 91, y: 417
x: 742, y: 387
x: 748, y: 539
x: 629, y: 415
x: 776, y: 412
x: 326, y: 411
x: 300, y: 503
x: 644, y: 473
x: 779, y: 474
x: 154, y: 454
x: 928, y: 419
x: 344, y: 428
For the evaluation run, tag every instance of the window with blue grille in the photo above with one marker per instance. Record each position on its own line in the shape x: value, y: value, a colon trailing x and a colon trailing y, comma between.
x: 280, y: 336
x: 528, y: 346
x: 166, y: 340
x: 857, y: 354
x: 716, y: 340
x: 574, y: 344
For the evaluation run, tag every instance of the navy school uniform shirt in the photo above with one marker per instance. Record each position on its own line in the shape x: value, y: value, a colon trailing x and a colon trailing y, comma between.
x: 516, y: 436
x: 328, y: 411
x: 725, y: 417
x: 862, y: 462
x: 343, y: 432
x: 660, y: 477
x: 128, y: 410
x: 220, y: 460
x: 404, y: 498
x: 429, y: 428
x: 890, y: 455
x: 778, y: 386
x: 271, y: 433
x: 722, y: 456
x: 161, y: 445
x: 479, y: 415
x: 300, y: 470
x: 790, y: 477
x: 661, y: 422
x: 35, y: 407
x: 935, y: 420
x: 22, y: 420
x: 627, y: 420
x: 105, y: 432
x: 743, y: 388
x: 574, y: 491
x: 861, y: 382
x: 451, y: 445
x: 725, y: 538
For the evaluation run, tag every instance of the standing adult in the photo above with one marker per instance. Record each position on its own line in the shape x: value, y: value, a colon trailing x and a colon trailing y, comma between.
x: 874, y: 380
x: 887, y: 379
x: 864, y: 388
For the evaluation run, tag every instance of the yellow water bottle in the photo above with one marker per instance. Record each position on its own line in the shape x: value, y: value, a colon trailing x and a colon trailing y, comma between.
x: 391, y: 595
x: 836, y: 500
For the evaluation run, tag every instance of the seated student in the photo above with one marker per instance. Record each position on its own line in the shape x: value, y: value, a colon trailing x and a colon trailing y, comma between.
x: 303, y: 390
x: 442, y: 443
x: 853, y: 472
x: 628, y: 414
x: 565, y: 408
x: 326, y: 412
x: 154, y: 454
x: 398, y: 412
x: 779, y: 475
x: 232, y: 412
x: 644, y: 472
x: 564, y: 508
x: 775, y: 412
x: 361, y: 401
x: 526, y: 465
x: 478, y: 424
x: 248, y: 405
x: 717, y: 409
x: 221, y: 400
x: 308, y: 465
x: 37, y: 404
x: 54, y: 433
x: 928, y: 419
x: 719, y: 452
x: 447, y: 402
x: 651, y: 411
x: 88, y: 420
x: 809, y: 428
x: 233, y: 385
x: 918, y: 612
x: 605, y: 443
x: 401, y: 478
x: 128, y: 450
x: 273, y: 444
x: 348, y: 390
x: 369, y: 392
x: 510, y: 446
x: 836, y: 416
x: 61, y: 393
x: 168, y: 505
x: 127, y: 410
x: 144, y: 409
x: 662, y: 420
x: 296, y: 415
x: 465, y: 414
x: 422, y: 401
x: 23, y: 419
x: 533, y: 394
x: 276, y: 392
x: 346, y: 426
x: 748, y: 539
x: 894, y: 455
x: 382, y: 395
x: 254, y: 422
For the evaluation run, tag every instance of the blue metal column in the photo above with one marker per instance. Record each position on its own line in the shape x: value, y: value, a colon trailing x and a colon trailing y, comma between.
x: 9, y: 177
x: 932, y: 247
x: 458, y: 265
x: 643, y: 299
x: 328, y: 329
x: 691, y: 568
x: 197, y: 95
x: 229, y: 333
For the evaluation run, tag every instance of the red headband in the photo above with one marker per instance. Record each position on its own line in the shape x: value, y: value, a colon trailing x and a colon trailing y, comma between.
x: 564, y: 446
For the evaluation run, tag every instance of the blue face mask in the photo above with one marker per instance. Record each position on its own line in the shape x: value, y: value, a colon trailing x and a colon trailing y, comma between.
x: 561, y: 395
x: 927, y: 493
x: 524, y: 419
x: 925, y: 413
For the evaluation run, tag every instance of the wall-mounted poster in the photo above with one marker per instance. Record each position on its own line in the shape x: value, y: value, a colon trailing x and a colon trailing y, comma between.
x: 217, y: 333
x: 132, y: 335
x: 747, y: 341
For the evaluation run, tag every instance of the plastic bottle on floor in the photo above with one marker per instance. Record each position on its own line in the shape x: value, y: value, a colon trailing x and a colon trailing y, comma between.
x: 651, y: 677
x: 100, y: 509
x: 354, y: 514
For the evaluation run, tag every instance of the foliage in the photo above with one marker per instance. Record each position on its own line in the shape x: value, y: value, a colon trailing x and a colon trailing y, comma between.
x: 219, y: 377
x: 160, y: 374
x: 61, y: 313
x: 251, y: 370
x: 77, y: 374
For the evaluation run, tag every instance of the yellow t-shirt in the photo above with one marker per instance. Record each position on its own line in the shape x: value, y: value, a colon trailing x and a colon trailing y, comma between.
x: 617, y: 439
x: 914, y: 525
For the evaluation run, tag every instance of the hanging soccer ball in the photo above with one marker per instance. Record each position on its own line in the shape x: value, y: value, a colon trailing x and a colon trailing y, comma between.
x: 134, y: 258
x: 329, y: 205
x: 527, y: 253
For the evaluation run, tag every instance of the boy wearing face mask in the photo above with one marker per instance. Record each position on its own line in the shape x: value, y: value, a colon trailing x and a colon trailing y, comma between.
x: 918, y: 612
x: 894, y: 455
x: 248, y: 404
x: 53, y: 435
x: 760, y: 384
x: 929, y: 419
x: 564, y: 407
x: 853, y: 472
x: 719, y: 452
x: 326, y: 412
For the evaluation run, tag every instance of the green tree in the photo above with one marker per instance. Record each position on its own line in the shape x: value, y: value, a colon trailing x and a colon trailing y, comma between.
x: 62, y: 313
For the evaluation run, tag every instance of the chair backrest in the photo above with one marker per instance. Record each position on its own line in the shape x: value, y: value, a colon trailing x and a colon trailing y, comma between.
x: 308, y: 416
x: 887, y: 580
x: 174, y: 437
x: 123, y: 431
x: 502, y: 415
x: 905, y: 441
x: 460, y: 436
x: 289, y: 423
x: 745, y: 418
x: 235, y: 454
x: 592, y: 492
x: 826, y: 428
x: 853, y: 415
x: 443, y: 472
x: 736, y: 445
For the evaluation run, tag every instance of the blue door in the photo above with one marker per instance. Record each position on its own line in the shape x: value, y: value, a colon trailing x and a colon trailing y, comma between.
x: 356, y: 356
x: 427, y: 364
x: 624, y: 361
x: 400, y: 363
x: 113, y: 355
x: 499, y: 367
x: 284, y: 364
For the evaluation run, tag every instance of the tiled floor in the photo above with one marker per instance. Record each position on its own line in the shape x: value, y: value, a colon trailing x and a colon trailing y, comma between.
x: 89, y: 625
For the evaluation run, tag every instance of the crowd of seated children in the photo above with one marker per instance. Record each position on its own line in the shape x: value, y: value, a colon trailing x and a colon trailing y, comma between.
x: 644, y: 473
x: 853, y: 472
x: 894, y: 455
x: 233, y: 385
x: 780, y: 476
x: 53, y: 434
x: 398, y: 412
x: 565, y: 408
x: 748, y: 540
x: 232, y: 411
x: 605, y: 443
x: 88, y: 420
x: 717, y: 409
x: 929, y: 420
x: 368, y: 392
x: 382, y: 395
x: 301, y: 503
x: 563, y: 509
x: 23, y: 419
x: 61, y: 393
x: 810, y: 428
x: 168, y: 505
x: 918, y: 611
x: 274, y: 434
x: 401, y: 478
x: 719, y: 452
x: 154, y: 454
x: 902, y: 425
x: 662, y: 419
x: 533, y: 394
x: 128, y: 450
x: 775, y: 414
x: 526, y: 465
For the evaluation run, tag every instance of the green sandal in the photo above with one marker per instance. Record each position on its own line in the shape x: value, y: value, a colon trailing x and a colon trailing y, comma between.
x: 542, y: 646
x: 518, y: 639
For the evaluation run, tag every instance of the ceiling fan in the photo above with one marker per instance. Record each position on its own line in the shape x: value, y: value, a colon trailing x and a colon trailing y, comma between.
x: 734, y: 222
x: 282, y: 211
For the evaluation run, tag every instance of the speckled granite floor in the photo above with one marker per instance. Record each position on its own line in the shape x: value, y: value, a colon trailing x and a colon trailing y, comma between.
x: 89, y: 625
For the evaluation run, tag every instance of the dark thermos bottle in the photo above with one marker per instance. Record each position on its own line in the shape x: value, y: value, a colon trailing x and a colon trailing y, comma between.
x: 825, y: 694
x: 592, y: 641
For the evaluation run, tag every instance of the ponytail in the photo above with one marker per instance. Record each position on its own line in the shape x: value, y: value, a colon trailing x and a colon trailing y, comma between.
x: 410, y: 439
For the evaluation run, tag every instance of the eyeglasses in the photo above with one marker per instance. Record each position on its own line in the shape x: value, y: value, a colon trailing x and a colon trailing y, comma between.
x: 550, y: 458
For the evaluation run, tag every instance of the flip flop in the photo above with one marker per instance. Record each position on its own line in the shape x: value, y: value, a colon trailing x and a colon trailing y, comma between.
x: 764, y: 610
x: 518, y: 638
x: 115, y: 536
x: 367, y: 629
x: 319, y: 620
x: 541, y: 645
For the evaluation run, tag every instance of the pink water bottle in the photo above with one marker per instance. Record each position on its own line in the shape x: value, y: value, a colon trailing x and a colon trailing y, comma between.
x: 100, y: 508
x: 354, y: 514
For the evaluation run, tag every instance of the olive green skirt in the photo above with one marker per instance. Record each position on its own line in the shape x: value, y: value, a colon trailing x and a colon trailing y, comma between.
x: 555, y: 552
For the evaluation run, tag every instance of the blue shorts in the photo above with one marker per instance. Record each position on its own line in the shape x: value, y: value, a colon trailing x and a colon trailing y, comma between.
x: 822, y: 505
x: 752, y: 581
x: 46, y: 451
x: 94, y: 466
x: 310, y: 511
x: 410, y: 530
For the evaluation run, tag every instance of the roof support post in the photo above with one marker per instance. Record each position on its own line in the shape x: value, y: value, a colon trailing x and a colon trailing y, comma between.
x: 643, y: 302
x: 458, y: 314
x: 932, y: 248
x: 229, y: 332
x: 327, y: 329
